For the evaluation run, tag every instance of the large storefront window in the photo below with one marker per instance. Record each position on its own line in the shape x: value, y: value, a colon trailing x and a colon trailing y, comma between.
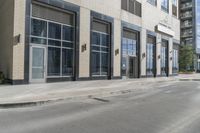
x: 53, y: 32
x: 175, y: 61
x: 164, y: 58
x: 59, y: 40
x: 150, y: 51
x: 100, y: 49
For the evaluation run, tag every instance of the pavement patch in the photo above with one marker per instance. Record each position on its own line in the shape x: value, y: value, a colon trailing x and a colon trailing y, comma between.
x: 101, y: 100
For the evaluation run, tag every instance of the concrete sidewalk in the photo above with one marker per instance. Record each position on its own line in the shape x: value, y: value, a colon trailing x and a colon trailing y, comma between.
x: 34, y: 94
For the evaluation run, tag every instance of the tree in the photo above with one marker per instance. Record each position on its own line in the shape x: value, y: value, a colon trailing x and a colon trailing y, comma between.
x: 186, y: 58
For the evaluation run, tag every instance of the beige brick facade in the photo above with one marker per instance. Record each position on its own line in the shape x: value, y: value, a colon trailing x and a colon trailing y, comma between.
x: 13, y: 67
x: 84, y: 63
x: 18, y: 48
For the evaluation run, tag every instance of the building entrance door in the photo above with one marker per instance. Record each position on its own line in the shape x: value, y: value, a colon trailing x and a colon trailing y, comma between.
x: 37, y: 64
x: 130, y: 54
x: 132, y: 67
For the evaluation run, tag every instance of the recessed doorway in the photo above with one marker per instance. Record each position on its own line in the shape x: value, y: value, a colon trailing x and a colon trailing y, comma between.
x: 130, y: 54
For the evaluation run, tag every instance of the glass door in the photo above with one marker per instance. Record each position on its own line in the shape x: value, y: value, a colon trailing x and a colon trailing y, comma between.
x: 129, y: 64
x: 37, y: 64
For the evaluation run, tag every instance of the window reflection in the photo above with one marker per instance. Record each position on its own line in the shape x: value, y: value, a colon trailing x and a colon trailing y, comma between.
x: 129, y: 48
x: 54, y: 61
x: 38, y: 28
x: 100, y: 53
x: 164, y: 59
x: 54, y: 31
x: 150, y: 59
x: 175, y: 61
x: 197, y: 24
x: 60, y: 57
x: 165, y: 5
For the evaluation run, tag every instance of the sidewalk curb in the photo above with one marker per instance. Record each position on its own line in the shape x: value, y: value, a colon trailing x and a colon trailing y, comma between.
x: 189, y: 79
x: 43, y: 102
x: 27, y: 104
x: 22, y: 104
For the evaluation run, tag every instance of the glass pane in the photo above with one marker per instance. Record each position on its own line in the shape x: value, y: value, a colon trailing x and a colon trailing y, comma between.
x: 165, y: 4
x: 130, y: 44
x: 104, y: 49
x: 67, y: 62
x: 104, y: 40
x: 150, y: 59
x: 38, y: 40
x: 53, y: 61
x: 124, y: 66
x: 175, y: 61
x: 130, y: 52
x: 68, y: 33
x: 96, y: 48
x: 95, y: 38
x: 134, y: 47
x: 124, y: 44
x: 104, y: 66
x: 38, y: 28
x: 163, y: 60
x: 54, y: 43
x: 38, y: 57
x: 95, y: 63
x: 147, y: 47
x: 68, y: 44
x: 54, y: 31
x: 37, y: 73
x: 37, y: 63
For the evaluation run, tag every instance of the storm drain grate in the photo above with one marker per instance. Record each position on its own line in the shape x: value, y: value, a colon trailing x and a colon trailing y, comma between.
x: 101, y: 100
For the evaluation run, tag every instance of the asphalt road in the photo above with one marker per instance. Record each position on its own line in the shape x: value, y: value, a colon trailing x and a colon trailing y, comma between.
x: 168, y: 108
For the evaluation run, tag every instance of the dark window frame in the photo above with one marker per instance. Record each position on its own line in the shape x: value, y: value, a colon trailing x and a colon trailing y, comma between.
x: 99, y: 47
x: 135, y: 9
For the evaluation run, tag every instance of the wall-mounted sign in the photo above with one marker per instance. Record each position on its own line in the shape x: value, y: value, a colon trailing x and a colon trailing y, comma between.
x: 116, y: 52
x: 83, y: 47
x: 164, y: 29
x: 143, y: 55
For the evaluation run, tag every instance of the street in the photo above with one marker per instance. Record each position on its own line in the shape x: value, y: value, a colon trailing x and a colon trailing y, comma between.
x: 170, y: 107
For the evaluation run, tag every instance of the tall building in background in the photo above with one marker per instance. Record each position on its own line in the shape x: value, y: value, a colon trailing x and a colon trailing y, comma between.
x: 190, y: 27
